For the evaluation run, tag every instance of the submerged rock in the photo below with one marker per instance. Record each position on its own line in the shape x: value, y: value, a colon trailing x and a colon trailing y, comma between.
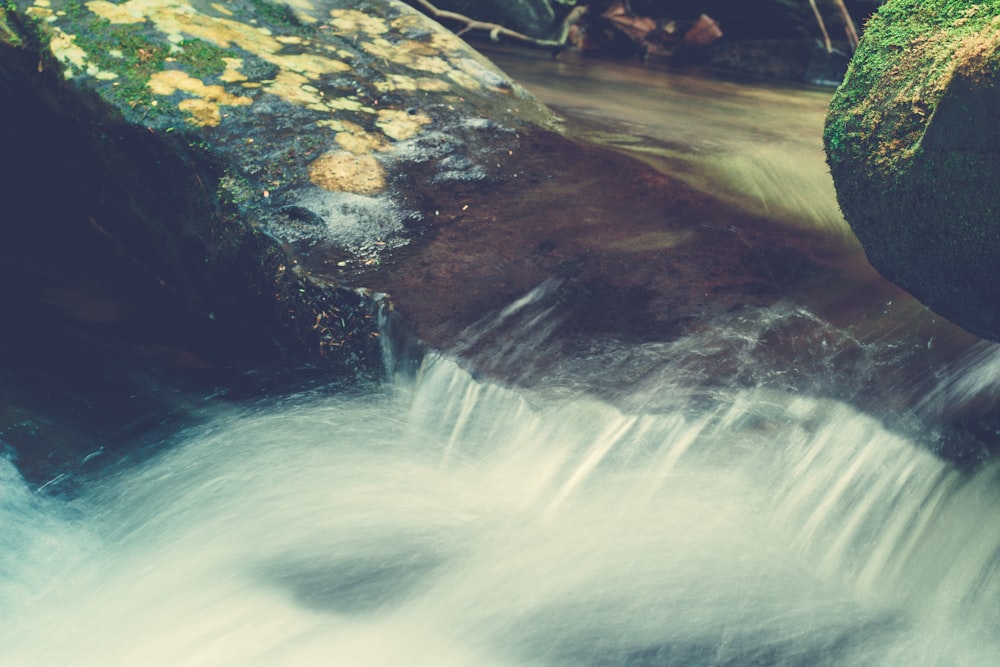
x: 912, y: 140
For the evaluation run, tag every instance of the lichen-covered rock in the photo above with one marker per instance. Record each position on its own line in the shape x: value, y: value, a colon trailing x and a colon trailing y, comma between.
x: 913, y: 139
x: 247, y: 126
x: 190, y: 188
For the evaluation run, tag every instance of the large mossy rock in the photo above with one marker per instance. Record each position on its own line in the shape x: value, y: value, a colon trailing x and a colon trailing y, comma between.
x: 913, y: 142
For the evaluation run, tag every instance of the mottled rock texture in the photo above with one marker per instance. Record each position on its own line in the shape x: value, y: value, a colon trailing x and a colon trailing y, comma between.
x: 167, y: 169
x: 913, y: 142
x: 203, y: 138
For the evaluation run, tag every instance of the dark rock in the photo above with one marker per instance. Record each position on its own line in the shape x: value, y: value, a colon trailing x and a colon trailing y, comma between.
x: 167, y: 169
x: 912, y: 140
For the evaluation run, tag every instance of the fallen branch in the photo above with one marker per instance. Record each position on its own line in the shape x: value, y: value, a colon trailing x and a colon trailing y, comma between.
x: 852, y: 31
x: 822, y: 27
x: 495, y: 30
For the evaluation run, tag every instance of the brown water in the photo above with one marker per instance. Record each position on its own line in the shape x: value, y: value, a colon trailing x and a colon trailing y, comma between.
x: 754, y: 143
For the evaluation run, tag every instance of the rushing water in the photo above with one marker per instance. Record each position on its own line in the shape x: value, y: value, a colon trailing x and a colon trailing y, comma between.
x: 444, y: 520
x: 711, y: 507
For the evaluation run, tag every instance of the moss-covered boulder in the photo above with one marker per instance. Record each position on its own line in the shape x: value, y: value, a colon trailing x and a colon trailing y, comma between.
x: 913, y: 142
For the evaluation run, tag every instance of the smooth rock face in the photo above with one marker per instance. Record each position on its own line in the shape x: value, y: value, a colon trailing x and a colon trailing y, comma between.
x: 913, y: 138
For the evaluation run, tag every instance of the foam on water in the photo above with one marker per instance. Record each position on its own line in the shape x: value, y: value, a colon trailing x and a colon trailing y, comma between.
x: 448, y: 521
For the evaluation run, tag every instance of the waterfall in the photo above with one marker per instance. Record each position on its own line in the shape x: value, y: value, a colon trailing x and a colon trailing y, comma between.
x: 447, y: 519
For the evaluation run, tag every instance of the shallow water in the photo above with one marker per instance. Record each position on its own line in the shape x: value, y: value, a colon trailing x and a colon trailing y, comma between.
x: 755, y: 144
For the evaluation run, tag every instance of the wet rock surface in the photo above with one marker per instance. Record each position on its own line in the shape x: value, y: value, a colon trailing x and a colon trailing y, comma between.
x: 912, y: 142
x: 160, y: 157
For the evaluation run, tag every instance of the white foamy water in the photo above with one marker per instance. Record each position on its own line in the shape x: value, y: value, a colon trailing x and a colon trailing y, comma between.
x: 447, y: 521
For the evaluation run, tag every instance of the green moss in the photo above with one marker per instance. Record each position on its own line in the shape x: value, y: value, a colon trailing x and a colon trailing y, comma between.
x: 75, y: 10
x: 280, y: 15
x: 924, y: 29
x: 132, y: 53
x: 8, y: 35
x: 201, y: 59
x: 123, y: 49
x: 235, y: 190
x: 877, y: 102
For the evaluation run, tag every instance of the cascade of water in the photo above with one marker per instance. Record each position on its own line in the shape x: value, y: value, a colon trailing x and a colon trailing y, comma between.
x: 451, y: 521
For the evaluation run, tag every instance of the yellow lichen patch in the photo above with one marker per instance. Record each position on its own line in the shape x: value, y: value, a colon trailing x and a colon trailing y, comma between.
x: 40, y: 11
x: 178, y: 19
x: 408, y: 83
x: 221, y: 8
x: 354, y: 22
x: 333, y: 124
x: 340, y: 171
x: 413, y: 48
x: 172, y: 19
x: 288, y: 86
x: 295, y: 88
x: 447, y: 42
x: 355, y: 139
x: 203, y: 112
x: 406, y: 55
x: 464, y: 80
x: 431, y: 85
x: 169, y: 82
x: 310, y: 64
x: 65, y: 50
x: 204, y: 109
x: 401, y: 125
x: 347, y: 104
x: 232, y: 73
x: 409, y: 22
x: 116, y: 13
x: 304, y: 7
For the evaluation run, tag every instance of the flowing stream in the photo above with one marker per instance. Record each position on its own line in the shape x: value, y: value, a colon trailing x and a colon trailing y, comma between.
x: 444, y: 519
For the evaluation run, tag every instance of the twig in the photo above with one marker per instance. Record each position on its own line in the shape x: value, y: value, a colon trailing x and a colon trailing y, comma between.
x: 852, y: 31
x: 495, y: 29
x: 822, y: 27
